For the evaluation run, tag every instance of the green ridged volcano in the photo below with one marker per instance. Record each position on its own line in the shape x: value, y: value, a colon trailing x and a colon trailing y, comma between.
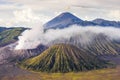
x: 63, y: 58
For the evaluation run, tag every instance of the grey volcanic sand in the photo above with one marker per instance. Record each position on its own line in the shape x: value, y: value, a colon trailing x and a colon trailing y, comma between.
x: 11, y: 70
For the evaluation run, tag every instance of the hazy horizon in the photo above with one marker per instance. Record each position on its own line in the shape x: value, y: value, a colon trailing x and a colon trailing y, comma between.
x: 26, y: 13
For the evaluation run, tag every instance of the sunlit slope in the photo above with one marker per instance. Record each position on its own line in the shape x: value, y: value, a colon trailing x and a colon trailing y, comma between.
x: 10, y: 35
x: 64, y: 58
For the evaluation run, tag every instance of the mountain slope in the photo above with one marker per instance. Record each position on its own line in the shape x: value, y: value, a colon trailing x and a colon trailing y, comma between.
x: 63, y: 20
x: 67, y: 19
x: 9, y: 54
x: 10, y: 35
x: 3, y: 28
x: 102, y: 22
x: 102, y: 45
x: 98, y: 44
x: 64, y: 58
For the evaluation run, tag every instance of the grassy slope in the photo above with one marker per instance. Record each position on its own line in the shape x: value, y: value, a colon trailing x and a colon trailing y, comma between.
x: 10, y: 35
x: 103, y: 74
x: 64, y: 58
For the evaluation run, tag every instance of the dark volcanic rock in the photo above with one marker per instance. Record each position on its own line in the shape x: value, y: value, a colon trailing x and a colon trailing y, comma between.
x: 8, y: 54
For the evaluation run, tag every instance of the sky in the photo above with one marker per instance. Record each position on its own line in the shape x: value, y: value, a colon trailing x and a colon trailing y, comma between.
x: 28, y: 12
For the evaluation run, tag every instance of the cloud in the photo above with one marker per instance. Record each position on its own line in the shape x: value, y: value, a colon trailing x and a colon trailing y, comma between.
x: 1, y: 20
x: 45, y: 9
x: 30, y: 39
x: 25, y: 17
x: 114, y: 14
x: 84, y: 35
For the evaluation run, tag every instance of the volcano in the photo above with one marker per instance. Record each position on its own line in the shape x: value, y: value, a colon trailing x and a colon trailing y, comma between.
x: 62, y: 21
x: 64, y: 58
x: 99, y: 45
x: 67, y: 19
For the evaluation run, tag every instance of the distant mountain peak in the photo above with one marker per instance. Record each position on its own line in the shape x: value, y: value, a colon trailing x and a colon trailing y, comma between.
x: 67, y: 19
x: 63, y: 20
x: 67, y: 15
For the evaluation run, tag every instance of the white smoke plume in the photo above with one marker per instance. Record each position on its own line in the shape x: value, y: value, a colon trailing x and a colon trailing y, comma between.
x: 32, y: 38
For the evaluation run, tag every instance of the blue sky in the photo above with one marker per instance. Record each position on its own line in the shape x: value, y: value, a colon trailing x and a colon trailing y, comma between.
x: 27, y: 12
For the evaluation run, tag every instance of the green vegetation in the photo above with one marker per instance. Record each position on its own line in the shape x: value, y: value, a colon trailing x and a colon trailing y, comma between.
x: 63, y: 58
x: 10, y: 35
x: 102, y: 74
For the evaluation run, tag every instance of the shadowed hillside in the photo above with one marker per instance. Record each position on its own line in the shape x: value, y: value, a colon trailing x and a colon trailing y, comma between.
x: 100, y: 44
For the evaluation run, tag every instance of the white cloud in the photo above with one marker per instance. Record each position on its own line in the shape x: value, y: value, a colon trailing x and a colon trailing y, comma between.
x: 1, y: 20
x: 25, y: 17
x: 29, y: 16
x: 114, y: 14
x: 47, y: 9
x: 51, y: 36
